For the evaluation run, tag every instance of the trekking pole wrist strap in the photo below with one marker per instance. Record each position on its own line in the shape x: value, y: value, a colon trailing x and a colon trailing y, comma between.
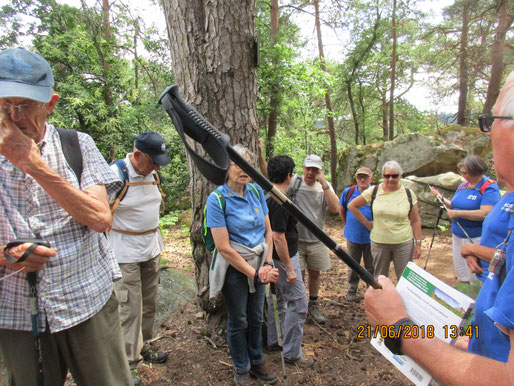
x: 35, y: 242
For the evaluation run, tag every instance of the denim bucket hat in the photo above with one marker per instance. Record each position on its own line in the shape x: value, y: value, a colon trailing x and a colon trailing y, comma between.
x: 25, y: 74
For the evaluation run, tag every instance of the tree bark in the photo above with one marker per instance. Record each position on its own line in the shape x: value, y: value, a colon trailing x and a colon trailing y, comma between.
x: 463, y: 66
x: 328, y: 103
x: 497, y: 64
x: 275, y: 98
x: 213, y: 47
x: 393, y: 76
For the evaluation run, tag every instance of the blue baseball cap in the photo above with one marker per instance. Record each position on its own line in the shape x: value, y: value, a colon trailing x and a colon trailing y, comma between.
x: 25, y: 74
x: 152, y: 144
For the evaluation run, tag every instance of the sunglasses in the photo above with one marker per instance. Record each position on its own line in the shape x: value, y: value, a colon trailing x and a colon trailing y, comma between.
x: 387, y: 176
x: 485, y: 121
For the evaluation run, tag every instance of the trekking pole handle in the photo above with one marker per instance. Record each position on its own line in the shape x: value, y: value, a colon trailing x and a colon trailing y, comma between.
x: 288, y: 205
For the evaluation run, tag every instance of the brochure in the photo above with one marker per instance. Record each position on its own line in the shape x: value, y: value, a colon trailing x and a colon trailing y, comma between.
x: 439, y: 311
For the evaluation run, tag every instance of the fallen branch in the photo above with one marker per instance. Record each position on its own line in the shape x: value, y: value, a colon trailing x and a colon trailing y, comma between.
x: 226, y: 364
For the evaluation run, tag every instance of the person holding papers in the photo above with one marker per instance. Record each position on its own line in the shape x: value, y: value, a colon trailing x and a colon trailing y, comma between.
x: 492, y: 360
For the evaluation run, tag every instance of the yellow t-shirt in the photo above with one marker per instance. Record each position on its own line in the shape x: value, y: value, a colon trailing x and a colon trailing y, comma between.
x: 391, y: 223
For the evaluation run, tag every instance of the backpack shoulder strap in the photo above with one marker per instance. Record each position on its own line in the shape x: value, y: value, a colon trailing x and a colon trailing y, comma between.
x: 348, y: 196
x: 485, y: 185
x: 71, y: 149
x: 373, y: 196
x: 463, y: 186
x: 123, y: 172
x: 295, y: 188
x: 409, y: 197
x: 221, y: 201
x: 255, y: 190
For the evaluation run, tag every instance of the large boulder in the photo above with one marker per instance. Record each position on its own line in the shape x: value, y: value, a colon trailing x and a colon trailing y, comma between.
x: 446, y: 183
x: 419, y: 154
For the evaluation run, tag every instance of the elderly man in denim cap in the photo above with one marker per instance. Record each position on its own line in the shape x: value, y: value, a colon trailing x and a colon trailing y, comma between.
x: 41, y: 197
x: 137, y: 244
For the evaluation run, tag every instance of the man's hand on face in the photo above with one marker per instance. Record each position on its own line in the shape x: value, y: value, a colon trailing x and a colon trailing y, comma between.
x: 14, y: 145
x: 321, y: 178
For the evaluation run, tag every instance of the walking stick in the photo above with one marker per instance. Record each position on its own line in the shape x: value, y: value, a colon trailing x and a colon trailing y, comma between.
x: 433, y: 236
x: 456, y: 221
x: 273, y: 290
x: 34, y: 311
x: 217, y: 145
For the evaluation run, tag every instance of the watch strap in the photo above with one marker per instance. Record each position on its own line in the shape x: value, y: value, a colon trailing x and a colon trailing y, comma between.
x: 394, y: 339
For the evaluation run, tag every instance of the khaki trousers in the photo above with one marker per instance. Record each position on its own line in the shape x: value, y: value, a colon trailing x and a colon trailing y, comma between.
x: 92, y: 351
x: 399, y: 254
x: 137, y: 294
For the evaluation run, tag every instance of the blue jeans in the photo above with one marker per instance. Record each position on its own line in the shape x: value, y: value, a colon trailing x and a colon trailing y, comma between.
x: 245, y: 317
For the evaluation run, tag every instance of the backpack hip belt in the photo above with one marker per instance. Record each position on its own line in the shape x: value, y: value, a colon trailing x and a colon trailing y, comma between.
x: 130, y: 233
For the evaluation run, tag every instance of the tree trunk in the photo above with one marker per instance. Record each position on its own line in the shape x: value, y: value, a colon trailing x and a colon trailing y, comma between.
x: 354, y: 112
x: 463, y: 66
x: 275, y: 98
x: 213, y: 47
x: 390, y: 135
x: 497, y: 64
x: 328, y: 103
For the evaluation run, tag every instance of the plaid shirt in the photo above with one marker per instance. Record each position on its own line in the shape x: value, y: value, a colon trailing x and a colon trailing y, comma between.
x: 74, y: 285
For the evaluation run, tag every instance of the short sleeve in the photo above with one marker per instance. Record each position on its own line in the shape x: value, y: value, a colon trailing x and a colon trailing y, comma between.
x: 215, y: 214
x: 491, y: 195
x: 95, y: 170
x: 414, y: 197
x: 278, y: 219
x: 368, y: 193
x: 343, y: 195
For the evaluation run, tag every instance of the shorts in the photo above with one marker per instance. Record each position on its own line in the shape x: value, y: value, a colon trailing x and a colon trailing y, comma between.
x: 313, y: 255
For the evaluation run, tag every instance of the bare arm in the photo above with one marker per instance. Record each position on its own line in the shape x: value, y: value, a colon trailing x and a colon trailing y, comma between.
x: 354, y: 206
x: 447, y: 364
x: 415, y: 222
x: 473, y: 215
x: 280, y: 243
x: 342, y: 214
x: 484, y: 253
x: 89, y: 207
x: 330, y: 196
x: 222, y: 242
x: 263, y: 165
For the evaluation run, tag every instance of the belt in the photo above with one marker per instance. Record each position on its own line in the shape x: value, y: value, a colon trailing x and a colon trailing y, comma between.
x: 135, y: 233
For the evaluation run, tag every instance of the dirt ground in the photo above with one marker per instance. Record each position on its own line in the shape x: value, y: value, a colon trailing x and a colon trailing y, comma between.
x: 340, y: 358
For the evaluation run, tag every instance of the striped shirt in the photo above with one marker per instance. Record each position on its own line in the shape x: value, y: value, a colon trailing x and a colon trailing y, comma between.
x: 74, y: 285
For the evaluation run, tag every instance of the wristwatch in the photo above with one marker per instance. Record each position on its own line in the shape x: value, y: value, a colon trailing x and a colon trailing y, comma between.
x: 393, y: 340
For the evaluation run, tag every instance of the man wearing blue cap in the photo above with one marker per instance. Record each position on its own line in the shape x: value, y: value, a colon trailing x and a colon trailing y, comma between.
x: 137, y: 244
x: 42, y: 197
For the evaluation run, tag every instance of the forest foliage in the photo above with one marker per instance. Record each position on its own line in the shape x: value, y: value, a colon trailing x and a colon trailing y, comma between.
x: 110, y: 67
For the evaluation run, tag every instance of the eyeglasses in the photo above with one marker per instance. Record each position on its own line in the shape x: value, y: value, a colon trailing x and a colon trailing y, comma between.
x: 359, y: 176
x: 464, y: 173
x: 150, y: 159
x: 8, y: 108
x: 485, y: 121
x: 387, y: 176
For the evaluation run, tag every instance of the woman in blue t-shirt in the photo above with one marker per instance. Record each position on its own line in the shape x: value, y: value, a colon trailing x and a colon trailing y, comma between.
x: 468, y: 207
x: 240, y: 230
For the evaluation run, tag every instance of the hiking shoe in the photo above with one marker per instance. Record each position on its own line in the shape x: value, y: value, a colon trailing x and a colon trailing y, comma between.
x: 273, y: 347
x: 351, y: 297
x: 315, y: 312
x: 263, y: 374
x: 242, y: 379
x: 136, y: 377
x: 302, y: 362
x: 154, y: 356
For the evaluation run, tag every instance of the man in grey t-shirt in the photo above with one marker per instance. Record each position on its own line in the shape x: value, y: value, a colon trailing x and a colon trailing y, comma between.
x: 313, y: 195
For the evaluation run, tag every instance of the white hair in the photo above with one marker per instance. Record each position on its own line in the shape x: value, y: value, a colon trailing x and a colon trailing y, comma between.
x: 394, y: 166
x: 505, y: 102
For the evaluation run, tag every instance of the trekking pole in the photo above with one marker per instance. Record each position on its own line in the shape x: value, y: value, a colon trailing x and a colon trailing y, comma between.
x: 34, y: 311
x: 217, y: 145
x: 433, y: 236
x: 456, y: 221
x: 273, y: 290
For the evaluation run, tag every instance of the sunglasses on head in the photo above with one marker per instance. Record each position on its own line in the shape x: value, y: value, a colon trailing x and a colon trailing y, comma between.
x: 485, y: 121
x: 387, y: 176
